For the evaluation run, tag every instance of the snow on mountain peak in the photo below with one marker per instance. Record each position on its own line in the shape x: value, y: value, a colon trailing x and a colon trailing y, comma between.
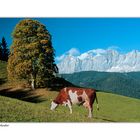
x: 109, y: 60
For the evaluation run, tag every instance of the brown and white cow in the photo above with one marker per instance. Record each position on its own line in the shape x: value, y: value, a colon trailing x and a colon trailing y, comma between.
x: 72, y: 95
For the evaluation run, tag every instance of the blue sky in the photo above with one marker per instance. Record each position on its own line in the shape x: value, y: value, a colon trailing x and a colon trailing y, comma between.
x: 85, y: 34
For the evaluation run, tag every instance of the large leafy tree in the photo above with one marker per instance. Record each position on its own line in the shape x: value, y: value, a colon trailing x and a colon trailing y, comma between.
x: 31, y: 54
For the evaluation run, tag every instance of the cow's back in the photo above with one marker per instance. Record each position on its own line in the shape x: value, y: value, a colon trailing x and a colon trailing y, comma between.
x: 80, y: 91
x: 79, y: 95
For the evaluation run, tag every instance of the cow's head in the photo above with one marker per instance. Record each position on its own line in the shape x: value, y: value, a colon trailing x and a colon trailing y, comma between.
x: 53, y: 105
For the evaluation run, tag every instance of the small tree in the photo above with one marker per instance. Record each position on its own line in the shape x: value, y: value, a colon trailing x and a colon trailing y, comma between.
x: 31, y: 54
x: 0, y: 52
x: 5, y: 50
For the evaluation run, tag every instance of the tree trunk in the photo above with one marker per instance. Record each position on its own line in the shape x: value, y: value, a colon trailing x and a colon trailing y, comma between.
x: 33, y: 83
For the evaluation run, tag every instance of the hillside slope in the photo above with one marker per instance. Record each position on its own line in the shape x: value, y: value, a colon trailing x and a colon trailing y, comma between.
x: 127, y: 84
x: 113, y: 108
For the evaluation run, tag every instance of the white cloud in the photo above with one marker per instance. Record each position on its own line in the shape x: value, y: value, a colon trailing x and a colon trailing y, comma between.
x: 98, y: 51
x: 91, y: 52
x: 113, y: 47
x: 72, y: 52
x: 60, y: 58
x: 83, y: 56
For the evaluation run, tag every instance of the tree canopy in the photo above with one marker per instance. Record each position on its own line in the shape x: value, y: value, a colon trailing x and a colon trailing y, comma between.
x: 32, y: 54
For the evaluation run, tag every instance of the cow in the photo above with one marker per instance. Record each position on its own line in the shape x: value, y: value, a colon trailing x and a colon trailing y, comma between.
x: 73, y: 95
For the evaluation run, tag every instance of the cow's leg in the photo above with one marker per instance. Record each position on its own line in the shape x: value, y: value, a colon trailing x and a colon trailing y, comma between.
x: 90, y: 107
x: 90, y: 112
x: 70, y: 106
x: 87, y: 105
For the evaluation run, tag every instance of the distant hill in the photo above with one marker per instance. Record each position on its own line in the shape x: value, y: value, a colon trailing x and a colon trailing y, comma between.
x: 127, y: 84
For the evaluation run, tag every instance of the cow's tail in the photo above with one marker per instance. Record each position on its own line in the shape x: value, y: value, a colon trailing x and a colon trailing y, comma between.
x: 96, y: 101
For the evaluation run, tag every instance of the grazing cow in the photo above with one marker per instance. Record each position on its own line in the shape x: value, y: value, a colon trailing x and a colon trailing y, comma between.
x: 72, y: 95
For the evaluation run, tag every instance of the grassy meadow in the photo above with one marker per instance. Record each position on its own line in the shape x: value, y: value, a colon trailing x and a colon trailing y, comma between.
x: 113, y: 108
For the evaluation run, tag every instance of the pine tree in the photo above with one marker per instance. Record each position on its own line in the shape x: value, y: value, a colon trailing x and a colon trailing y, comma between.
x: 5, y: 50
x: 0, y: 52
x: 31, y: 54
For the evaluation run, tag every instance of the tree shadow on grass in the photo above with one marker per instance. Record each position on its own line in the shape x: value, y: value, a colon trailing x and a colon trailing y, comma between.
x: 20, y: 94
x: 2, y: 81
x: 58, y: 83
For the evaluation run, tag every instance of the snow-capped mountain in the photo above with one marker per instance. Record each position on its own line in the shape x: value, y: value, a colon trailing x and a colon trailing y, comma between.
x: 100, y: 60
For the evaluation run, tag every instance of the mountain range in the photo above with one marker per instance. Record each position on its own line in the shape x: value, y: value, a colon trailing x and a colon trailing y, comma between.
x: 102, y: 60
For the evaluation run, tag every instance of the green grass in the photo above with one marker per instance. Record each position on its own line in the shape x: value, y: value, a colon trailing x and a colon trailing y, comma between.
x: 113, y: 108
